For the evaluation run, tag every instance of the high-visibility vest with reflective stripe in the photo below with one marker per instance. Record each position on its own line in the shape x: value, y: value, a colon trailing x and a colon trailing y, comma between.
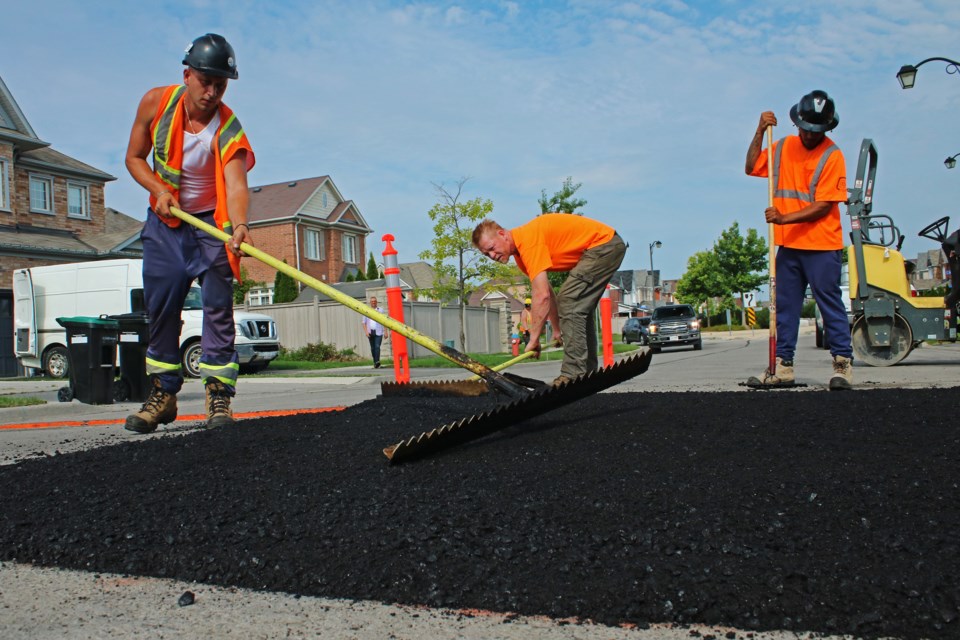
x: 792, y: 194
x: 167, y: 136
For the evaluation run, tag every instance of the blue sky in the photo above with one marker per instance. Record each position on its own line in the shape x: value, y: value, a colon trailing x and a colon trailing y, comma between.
x: 651, y: 105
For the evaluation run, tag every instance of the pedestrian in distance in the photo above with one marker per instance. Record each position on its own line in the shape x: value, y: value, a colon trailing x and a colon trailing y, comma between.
x: 809, y: 182
x: 200, y: 157
x: 590, y: 250
x: 375, y: 333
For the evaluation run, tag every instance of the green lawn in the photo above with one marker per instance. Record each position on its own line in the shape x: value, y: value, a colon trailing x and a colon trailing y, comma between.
x: 19, y: 401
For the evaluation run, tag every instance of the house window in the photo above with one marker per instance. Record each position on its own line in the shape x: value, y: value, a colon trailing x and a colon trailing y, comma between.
x: 4, y: 186
x: 313, y: 244
x: 259, y: 297
x: 41, y: 194
x: 78, y: 200
x: 350, y: 249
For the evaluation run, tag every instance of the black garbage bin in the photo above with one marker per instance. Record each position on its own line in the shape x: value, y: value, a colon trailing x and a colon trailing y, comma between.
x: 92, y: 347
x: 134, y: 338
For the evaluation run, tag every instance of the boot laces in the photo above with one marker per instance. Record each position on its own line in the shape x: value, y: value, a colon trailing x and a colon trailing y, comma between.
x: 841, y: 366
x: 155, y: 401
x: 219, y: 401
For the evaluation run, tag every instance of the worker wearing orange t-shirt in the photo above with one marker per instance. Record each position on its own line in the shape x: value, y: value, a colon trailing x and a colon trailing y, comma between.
x: 591, y: 251
x: 810, y: 181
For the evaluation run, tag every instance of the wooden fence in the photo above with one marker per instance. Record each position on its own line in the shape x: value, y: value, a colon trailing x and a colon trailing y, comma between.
x: 302, y: 323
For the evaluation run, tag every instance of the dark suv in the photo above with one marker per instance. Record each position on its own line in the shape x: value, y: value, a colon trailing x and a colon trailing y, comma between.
x: 635, y: 330
x: 674, y: 325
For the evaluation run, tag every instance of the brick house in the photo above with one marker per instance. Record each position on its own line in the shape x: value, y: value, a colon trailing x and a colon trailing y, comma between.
x: 309, y: 224
x: 51, y: 211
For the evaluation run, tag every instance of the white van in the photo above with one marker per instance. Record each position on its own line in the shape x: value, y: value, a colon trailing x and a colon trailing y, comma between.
x: 112, y: 287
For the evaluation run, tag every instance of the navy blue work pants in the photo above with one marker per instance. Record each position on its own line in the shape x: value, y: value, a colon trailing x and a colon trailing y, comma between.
x: 172, y: 259
x: 375, y: 341
x: 797, y: 268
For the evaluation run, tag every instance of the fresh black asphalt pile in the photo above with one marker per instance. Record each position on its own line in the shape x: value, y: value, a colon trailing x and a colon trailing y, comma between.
x: 823, y: 512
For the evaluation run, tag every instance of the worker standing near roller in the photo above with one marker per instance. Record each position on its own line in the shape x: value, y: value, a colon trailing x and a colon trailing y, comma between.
x: 200, y: 157
x: 590, y: 250
x: 810, y: 181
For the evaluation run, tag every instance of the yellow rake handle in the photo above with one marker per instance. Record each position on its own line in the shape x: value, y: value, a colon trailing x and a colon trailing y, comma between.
x: 410, y: 333
x: 520, y: 358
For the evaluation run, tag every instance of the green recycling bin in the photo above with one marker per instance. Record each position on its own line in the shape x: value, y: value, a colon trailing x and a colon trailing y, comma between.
x: 133, y: 382
x: 92, y: 347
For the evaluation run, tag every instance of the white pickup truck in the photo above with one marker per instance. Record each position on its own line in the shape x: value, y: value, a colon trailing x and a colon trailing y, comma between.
x: 114, y: 287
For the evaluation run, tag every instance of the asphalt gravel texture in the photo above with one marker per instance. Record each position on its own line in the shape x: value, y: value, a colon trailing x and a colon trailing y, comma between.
x: 813, y: 511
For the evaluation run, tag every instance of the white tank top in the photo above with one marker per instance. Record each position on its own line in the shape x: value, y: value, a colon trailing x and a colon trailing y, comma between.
x: 198, y: 177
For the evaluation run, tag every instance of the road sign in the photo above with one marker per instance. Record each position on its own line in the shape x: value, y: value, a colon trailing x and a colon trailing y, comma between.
x: 751, y: 317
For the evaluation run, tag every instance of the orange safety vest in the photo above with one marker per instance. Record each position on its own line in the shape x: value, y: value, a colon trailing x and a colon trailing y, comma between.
x: 801, y: 177
x: 167, y: 136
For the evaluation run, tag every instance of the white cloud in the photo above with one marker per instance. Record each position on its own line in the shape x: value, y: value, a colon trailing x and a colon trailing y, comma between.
x: 455, y: 15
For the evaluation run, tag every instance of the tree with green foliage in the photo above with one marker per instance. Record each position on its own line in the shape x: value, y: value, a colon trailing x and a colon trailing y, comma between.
x: 741, y: 261
x: 561, y: 202
x: 373, y: 273
x: 284, y: 288
x: 459, y: 267
x: 359, y: 275
x: 240, y: 289
x: 701, y: 281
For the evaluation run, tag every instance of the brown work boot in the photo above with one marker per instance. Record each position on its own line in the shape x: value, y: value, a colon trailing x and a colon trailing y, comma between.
x: 842, y: 378
x: 219, y: 413
x: 782, y: 375
x: 160, y: 408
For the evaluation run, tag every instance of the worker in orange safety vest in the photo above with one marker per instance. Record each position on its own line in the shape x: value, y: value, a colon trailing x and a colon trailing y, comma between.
x: 809, y: 181
x: 200, y: 157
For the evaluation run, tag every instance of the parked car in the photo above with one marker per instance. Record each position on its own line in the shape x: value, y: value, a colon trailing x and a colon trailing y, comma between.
x: 636, y: 330
x: 674, y: 325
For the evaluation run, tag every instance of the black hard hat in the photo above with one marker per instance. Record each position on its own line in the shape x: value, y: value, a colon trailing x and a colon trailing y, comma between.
x: 213, y: 55
x: 815, y: 112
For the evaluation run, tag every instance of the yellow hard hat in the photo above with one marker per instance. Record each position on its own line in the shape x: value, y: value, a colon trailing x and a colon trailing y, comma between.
x: 527, y: 301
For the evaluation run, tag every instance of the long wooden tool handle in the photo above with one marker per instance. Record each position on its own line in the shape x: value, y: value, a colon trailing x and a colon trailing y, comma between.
x: 410, y: 333
x: 773, y: 255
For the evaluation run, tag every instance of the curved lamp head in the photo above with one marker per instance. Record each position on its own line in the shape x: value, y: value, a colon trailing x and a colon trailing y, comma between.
x: 908, y: 72
x: 907, y: 76
x: 951, y: 162
x: 656, y: 244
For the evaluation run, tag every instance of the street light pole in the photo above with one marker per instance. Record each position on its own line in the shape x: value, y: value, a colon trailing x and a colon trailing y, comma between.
x: 908, y: 72
x: 655, y: 244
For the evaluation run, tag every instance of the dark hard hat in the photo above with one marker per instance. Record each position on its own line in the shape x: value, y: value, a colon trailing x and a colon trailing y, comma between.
x: 815, y: 112
x: 213, y: 55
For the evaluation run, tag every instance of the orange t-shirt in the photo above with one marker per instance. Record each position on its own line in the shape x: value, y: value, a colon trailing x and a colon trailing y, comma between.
x: 555, y: 242
x: 806, y: 176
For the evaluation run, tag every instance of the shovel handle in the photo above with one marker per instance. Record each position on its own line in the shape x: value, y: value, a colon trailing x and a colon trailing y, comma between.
x: 773, y: 255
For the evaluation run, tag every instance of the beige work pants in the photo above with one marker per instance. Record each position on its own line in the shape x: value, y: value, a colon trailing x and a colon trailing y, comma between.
x: 577, y: 303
